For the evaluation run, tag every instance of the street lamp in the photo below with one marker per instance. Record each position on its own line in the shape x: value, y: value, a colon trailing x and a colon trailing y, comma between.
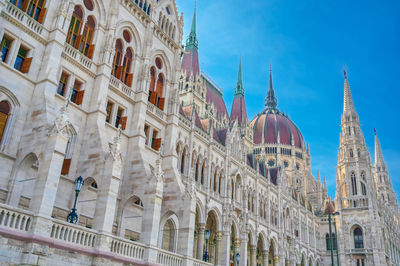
x: 237, y: 259
x: 330, y: 232
x: 73, y: 216
x: 207, y: 236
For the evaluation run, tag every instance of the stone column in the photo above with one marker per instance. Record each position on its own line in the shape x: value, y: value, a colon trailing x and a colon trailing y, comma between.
x: 265, y: 255
x: 225, y: 248
x: 243, y: 256
x: 276, y: 260
x: 253, y: 255
x: 200, y: 241
x: 151, y: 213
x: 108, y: 191
x: 218, y: 238
x: 187, y: 224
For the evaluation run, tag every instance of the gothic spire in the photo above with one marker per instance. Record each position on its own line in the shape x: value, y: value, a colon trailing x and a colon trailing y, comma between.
x: 271, y: 101
x: 348, y: 105
x: 239, y: 90
x: 238, y: 111
x: 192, y: 41
x: 378, y: 151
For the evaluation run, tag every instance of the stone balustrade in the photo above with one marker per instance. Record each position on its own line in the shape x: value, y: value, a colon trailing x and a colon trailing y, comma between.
x: 361, y: 202
x: 23, y: 18
x: 168, y: 258
x: 155, y: 110
x: 78, y: 57
x: 116, y: 83
x: 127, y: 248
x: 15, y: 219
x: 73, y: 234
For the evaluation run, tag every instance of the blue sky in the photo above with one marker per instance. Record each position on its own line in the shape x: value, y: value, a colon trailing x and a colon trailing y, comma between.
x: 308, y: 43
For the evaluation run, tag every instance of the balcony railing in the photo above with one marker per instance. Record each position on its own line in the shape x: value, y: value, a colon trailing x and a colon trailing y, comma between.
x: 73, y: 234
x: 155, y: 110
x: 127, y: 248
x: 23, y: 18
x: 116, y: 83
x: 168, y: 258
x: 78, y: 56
x: 15, y: 219
x: 355, y: 203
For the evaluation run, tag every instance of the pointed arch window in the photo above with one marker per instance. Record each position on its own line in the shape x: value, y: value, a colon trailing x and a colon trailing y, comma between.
x: 215, y: 181
x: 4, y: 114
x: 353, y: 183
x: 157, y: 80
x: 351, y: 153
x: 86, y: 46
x: 358, y: 238
x: 126, y: 67
x: 117, y: 69
x: 183, y: 161
x: 220, y: 183
x: 73, y: 37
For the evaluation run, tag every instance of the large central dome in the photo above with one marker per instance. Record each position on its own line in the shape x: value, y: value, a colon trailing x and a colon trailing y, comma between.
x: 273, y: 127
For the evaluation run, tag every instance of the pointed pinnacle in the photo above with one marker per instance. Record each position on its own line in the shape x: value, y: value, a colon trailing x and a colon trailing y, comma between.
x: 378, y: 150
x: 239, y: 90
x: 270, y: 100
x: 192, y: 41
x: 348, y: 105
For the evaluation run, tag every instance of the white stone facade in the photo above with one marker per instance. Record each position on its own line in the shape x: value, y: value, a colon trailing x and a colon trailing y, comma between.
x: 100, y: 89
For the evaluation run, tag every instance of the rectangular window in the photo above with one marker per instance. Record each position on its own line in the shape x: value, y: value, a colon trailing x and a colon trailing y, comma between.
x: 22, y: 63
x: 77, y: 93
x: 155, y: 142
x: 62, y: 84
x: 146, y: 132
x: 19, y: 3
x: 5, y: 47
x: 109, y: 109
x: 118, y: 118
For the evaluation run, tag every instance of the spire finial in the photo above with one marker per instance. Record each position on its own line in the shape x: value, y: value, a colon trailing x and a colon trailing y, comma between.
x: 271, y: 101
x: 348, y: 105
x: 192, y: 41
x: 378, y: 150
x: 239, y: 90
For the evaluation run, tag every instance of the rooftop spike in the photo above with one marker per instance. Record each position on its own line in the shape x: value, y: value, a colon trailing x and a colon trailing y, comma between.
x: 239, y: 90
x: 192, y: 41
x: 378, y: 150
x: 271, y: 101
x: 348, y: 105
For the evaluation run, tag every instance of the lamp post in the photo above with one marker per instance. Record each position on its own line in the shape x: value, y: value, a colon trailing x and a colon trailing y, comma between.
x: 337, y: 243
x: 73, y: 216
x: 207, y: 236
x: 237, y: 259
x: 330, y: 233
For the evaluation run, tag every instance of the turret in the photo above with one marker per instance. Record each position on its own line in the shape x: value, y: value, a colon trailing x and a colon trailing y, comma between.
x: 238, y: 111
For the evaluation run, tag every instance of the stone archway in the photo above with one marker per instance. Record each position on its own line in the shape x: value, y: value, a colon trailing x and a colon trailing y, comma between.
x: 211, y: 244
x: 271, y: 254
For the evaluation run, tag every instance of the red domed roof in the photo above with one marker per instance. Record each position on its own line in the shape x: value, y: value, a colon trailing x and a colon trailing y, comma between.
x: 275, y: 128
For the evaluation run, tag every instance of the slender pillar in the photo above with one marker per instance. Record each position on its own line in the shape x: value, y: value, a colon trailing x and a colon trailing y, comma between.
x: 253, y: 255
x: 265, y: 255
x: 219, y: 238
x: 236, y: 245
x: 225, y: 248
x: 200, y: 241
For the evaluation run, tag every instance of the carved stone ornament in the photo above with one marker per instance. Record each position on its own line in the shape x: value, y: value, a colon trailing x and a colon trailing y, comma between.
x: 190, y: 189
x: 62, y: 125
x: 115, y: 145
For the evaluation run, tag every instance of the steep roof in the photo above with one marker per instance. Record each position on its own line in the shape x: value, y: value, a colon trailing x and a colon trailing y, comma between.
x: 214, y: 96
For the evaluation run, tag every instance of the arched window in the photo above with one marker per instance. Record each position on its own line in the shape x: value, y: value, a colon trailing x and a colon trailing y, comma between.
x: 157, y: 79
x: 183, y: 161
x: 215, y: 181
x: 354, y: 183
x: 197, y: 170
x: 351, y: 153
x: 4, y: 113
x: 36, y: 9
x: 202, y: 173
x: 73, y: 37
x: 126, y: 68
x: 86, y: 46
x: 220, y: 183
x: 117, y: 69
x: 358, y: 238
